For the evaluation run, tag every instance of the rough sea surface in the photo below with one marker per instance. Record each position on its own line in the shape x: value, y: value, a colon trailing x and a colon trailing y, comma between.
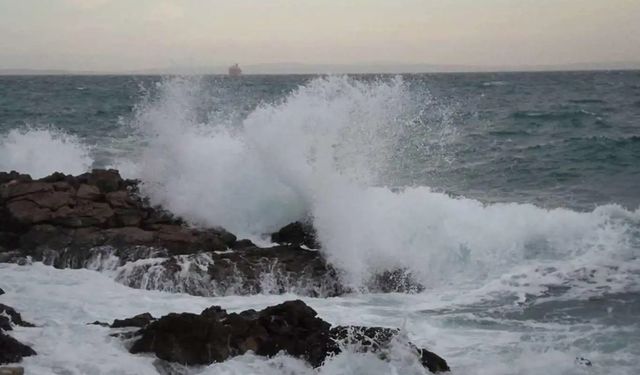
x: 513, y: 197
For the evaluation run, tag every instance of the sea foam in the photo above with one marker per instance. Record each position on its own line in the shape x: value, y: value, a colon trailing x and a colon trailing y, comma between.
x: 328, y: 151
x: 42, y: 151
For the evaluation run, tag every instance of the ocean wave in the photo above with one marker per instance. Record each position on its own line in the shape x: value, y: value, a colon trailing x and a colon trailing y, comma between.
x: 324, y: 152
x: 42, y: 151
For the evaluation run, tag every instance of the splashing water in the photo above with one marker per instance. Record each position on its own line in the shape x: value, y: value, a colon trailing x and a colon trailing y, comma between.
x: 326, y: 151
x: 42, y: 151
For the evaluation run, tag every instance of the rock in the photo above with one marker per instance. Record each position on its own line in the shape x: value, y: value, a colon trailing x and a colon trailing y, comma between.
x: 12, y: 351
x: 52, y: 200
x: 13, y: 317
x: 204, y: 339
x: 185, y: 338
x: 16, y: 188
x: 141, y: 320
x: 27, y: 212
x: 583, y: 362
x: 83, y: 214
x: 129, y: 236
x: 1, y: 291
x: 378, y: 340
x: 291, y: 327
x: 11, y: 371
x: 88, y: 192
x: 101, y: 324
x: 45, y: 235
x: 214, y: 312
x: 296, y: 234
x: 119, y: 199
x: 169, y: 368
x: 13, y: 176
x: 243, y: 244
x: 106, y: 180
x: 397, y: 281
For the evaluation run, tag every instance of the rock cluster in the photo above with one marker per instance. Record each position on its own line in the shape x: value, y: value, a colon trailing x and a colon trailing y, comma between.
x: 87, y: 220
x: 11, y: 350
x: 291, y: 327
x: 93, y: 209
x: 70, y: 222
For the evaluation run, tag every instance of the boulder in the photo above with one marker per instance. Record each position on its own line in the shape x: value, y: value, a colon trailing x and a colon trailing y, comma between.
x: 297, y: 234
x: 16, y: 188
x: 83, y: 214
x: 140, y: 320
x: 88, y: 192
x: 13, y: 176
x: 291, y: 327
x: 9, y: 316
x: 213, y: 336
x: 106, y: 180
x: 379, y: 339
x: 12, y: 351
x: 27, y: 212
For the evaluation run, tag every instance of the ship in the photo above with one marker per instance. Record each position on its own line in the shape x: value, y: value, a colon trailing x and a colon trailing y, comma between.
x: 235, y: 70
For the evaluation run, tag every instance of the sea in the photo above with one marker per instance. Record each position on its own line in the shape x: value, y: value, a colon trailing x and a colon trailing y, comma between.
x: 512, y: 197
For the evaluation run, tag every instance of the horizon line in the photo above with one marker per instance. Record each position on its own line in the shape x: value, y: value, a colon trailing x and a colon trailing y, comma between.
x: 294, y: 68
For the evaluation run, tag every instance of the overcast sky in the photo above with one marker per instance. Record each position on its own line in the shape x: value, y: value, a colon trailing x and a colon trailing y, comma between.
x: 120, y: 35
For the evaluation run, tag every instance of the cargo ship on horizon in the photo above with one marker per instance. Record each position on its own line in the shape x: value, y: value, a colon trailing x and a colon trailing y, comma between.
x: 235, y: 70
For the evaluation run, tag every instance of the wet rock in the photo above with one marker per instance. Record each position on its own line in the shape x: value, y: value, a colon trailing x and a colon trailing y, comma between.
x: 101, y: 324
x: 170, y: 368
x: 88, y: 192
x: 397, y: 281
x: 243, y: 244
x: 141, y: 320
x: 203, y: 339
x: 12, y: 351
x: 28, y: 213
x: 83, y: 214
x: 291, y: 327
x: 13, y: 176
x: 11, y: 316
x: 106, y: 180
x: 11, y: 371
x: 583, y: 362
x: 379, y: 339
x: 297, y: 234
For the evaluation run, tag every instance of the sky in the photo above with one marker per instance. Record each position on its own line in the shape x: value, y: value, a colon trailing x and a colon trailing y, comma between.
x: 129, y: 35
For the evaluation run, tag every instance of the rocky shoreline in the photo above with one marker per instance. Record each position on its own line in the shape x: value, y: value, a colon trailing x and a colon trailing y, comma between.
x: 99, y: 221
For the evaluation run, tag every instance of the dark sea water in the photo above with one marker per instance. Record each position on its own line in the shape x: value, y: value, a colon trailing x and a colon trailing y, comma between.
x: 514, y: 197
x: 554, y: 139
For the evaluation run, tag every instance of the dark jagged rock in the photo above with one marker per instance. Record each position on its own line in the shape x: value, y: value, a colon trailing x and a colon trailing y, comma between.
x: 101, y: 324
x: 291, y: 327
x: 214, y: 336
x: 297, y: 234
x: 379, y: 339
x: 12, y: 350
x: 79, y: 222
x: 140, y: 320
x: 397, y: 281
x: 9, y: 316
x: 1, y: 291
x: 99, y: 208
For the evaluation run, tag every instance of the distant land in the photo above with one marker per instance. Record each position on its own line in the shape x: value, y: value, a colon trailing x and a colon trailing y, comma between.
x: 304, y: 68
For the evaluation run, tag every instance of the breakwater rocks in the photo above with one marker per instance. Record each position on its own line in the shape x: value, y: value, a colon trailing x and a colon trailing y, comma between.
x: 291, y: 327
x: 99, y: 220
